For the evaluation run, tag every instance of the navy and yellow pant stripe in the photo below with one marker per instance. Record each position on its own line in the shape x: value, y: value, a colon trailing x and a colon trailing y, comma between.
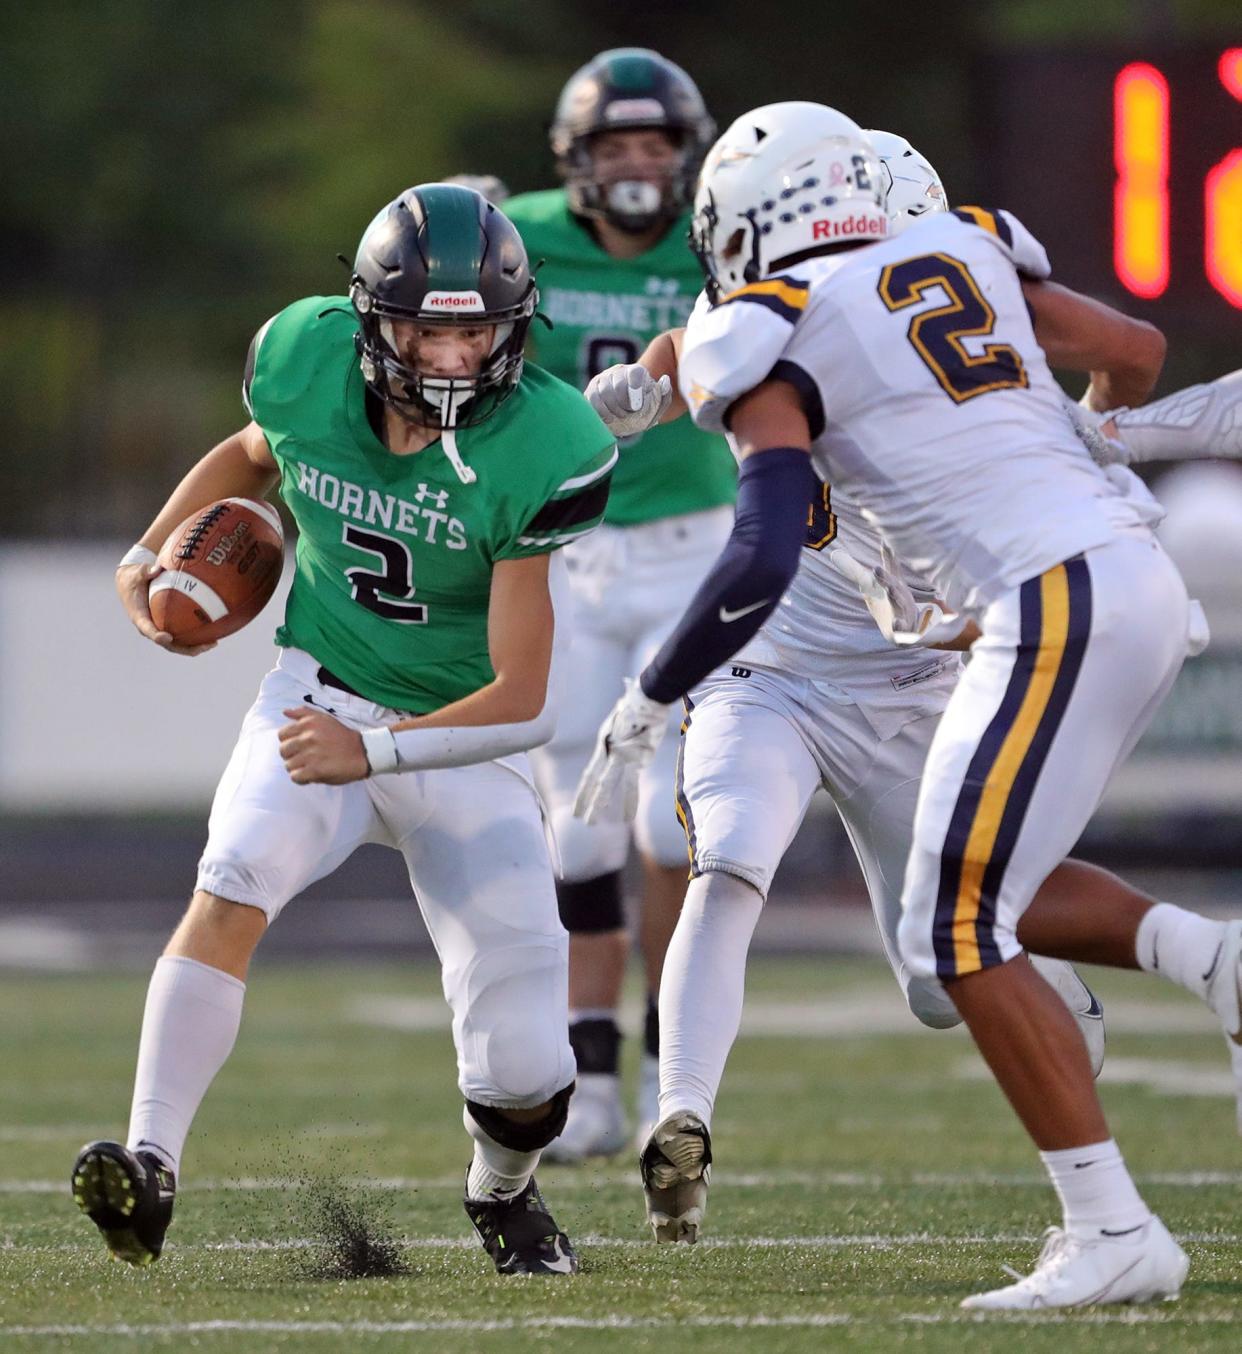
x: 1055, y: 623
x: 684, y: 815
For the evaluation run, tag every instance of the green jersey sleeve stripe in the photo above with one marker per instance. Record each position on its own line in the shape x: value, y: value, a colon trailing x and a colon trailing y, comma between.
x: 558, y: 538
x: 581, y: 481
x: 558, y: 513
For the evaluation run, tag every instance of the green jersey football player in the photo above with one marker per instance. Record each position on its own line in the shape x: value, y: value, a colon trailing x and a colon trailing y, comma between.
x: 433, y: 476
x: 629, y: 133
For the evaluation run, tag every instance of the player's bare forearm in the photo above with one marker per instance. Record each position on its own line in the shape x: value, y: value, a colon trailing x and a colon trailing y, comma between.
x: 520, y: 631
x: 771, y: 415
x: 242, y: 466
x: 660, y: 357
x: 1123, y: 355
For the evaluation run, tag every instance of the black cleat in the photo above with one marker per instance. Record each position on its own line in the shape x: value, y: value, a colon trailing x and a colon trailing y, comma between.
x: 128, y: 1196
x: 521, y: 1235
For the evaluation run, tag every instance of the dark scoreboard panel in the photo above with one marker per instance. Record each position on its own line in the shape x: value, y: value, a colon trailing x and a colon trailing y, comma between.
x: 1128, y: 167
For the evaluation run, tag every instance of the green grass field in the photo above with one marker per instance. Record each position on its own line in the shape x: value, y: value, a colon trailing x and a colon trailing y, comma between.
x: 867, y: 1178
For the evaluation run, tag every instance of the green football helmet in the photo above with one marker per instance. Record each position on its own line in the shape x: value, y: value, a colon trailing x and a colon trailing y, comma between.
x: 441, y: 254
x: 627, y: 89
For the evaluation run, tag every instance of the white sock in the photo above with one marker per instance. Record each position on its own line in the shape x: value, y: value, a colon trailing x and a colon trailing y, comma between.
x: 1096, y: 1192
x: 189, y: 1026
x: 702, y: 989
x: 496, y: 1171
x: 1182, y: 946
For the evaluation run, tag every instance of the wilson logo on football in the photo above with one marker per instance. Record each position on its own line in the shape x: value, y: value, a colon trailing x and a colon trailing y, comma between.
x: 852, y: 225
x: 463, y: 301
x: 220, y: 552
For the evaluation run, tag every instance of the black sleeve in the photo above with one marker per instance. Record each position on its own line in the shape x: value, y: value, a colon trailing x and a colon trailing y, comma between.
x: 748, y: 579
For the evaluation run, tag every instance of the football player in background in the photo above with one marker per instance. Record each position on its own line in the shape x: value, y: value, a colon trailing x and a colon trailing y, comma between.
x: 629, y: 133
x: 961, y: 455
x: 433, y: 478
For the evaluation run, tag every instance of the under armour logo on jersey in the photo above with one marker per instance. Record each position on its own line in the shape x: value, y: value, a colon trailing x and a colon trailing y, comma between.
x: 740, y: 672
x: 438, y: 496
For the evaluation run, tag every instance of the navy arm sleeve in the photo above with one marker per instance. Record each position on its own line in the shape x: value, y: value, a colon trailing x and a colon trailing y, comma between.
x: 748, y: 579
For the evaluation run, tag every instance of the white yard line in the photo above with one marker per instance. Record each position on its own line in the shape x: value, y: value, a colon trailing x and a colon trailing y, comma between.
x: 860, y: 1012
x: 1164, y: 1076
x: 812, y: 1320
x: 574, y: 1181
x: 826, y: 1241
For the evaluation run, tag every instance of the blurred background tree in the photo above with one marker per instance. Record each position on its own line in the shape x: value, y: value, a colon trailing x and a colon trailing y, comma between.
x: 171, y: 175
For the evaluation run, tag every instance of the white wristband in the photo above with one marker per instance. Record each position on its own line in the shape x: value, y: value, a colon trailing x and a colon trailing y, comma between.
x: 380, y: 747
x: 137, y: 554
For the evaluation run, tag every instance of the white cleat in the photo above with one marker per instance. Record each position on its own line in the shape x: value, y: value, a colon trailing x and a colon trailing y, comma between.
x: 648, y: 1100
x: 1084, y: 1006
x: 1145, y: 1265
x: 676, y: 1167
x: 596, y: 1123
x: 1224, y: 996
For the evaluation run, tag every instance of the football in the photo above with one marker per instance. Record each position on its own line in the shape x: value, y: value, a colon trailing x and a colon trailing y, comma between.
x: 221, y: 566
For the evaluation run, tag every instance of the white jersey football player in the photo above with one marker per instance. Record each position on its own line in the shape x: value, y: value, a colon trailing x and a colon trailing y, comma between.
x: 875, y: 360
x: 826, y: 692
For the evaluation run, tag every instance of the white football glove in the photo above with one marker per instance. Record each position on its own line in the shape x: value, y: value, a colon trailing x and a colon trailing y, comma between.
x: 626, y: 743
x: 1087, y: 423
x: 900, y: 617
x: 628, y: 399
x: 1201, y: 420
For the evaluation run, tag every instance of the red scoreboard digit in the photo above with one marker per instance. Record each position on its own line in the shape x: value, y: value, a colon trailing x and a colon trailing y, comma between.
x: 1141, y: 116
x: 1129, y: 168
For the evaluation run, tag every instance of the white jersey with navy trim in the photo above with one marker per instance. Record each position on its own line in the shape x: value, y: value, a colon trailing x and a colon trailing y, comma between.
x: 931, y: 402
x: 821, y: 630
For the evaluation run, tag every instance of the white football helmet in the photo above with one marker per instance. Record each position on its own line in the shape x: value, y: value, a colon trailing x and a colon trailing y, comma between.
x: 912, y: 186
x: 785, y: 182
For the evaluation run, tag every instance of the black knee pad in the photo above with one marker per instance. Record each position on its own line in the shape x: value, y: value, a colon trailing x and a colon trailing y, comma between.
x: 526, y: 1137
x: 591, y: 906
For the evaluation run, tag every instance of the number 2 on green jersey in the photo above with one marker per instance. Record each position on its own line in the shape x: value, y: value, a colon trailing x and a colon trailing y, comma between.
x: 388, y: 594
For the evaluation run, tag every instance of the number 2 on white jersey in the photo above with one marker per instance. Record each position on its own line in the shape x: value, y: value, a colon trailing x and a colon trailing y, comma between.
x: 937, y: 333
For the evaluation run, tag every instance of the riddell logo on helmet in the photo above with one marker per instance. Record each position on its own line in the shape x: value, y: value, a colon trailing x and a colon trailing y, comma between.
x: 465, y: 301
x: 852, y: 225
x: 634, y: 110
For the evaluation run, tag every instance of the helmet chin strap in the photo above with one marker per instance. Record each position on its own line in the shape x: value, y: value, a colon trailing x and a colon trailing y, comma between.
x: 450, y: 401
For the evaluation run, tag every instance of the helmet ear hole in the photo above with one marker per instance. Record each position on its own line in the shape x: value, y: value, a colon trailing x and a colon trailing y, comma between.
x: 733, y: 245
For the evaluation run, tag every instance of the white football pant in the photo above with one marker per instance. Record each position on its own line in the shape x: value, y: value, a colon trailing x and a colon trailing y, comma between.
x: 1070, y: 669
x: 474, y: 844
x: 758, y: 746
